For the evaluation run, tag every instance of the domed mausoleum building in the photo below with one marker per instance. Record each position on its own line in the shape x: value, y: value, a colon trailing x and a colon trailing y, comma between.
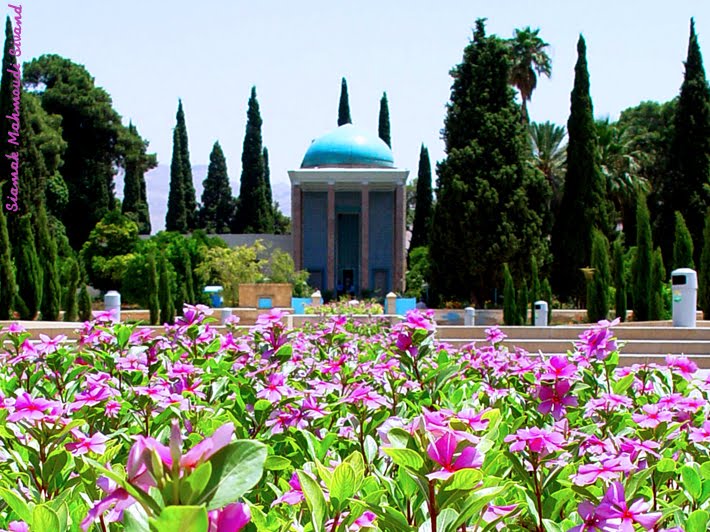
x: 348, y: 214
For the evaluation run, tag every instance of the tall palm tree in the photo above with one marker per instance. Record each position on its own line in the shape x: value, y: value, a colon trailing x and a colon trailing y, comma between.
x: 549, y: 152
x: 621, y: 162
x: 529, y: 60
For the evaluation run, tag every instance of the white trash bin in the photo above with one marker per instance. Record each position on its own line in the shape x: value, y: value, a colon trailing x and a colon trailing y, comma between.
x: 540, y: 310
x: 684, y: 285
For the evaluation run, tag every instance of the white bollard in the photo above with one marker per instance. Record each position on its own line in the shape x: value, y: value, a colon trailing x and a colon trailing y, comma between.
x: 391, y: 303
x: 469, y: 317
x: 316, y: 299
x: 112, y: 304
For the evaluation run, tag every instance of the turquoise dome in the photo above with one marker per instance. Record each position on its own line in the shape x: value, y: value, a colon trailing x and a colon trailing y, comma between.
x: 348, y: 146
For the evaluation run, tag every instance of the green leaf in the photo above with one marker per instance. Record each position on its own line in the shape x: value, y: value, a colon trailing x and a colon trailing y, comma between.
x: 697, y: 521
x: 261, y: 404
x: 315, y: 500
x: 621, y: 386
x: 342, y: 486
x: 370, y: 448
x: 182, y: 518
x: 464, y: 479
x: 236, y: 469
x: 691, y: 481
x: 474, y: 504
x: 44, y: 518
x: 135, y: 519
x: 399, y: 438
x: 18, y: 505
x: 665, y: 465
x: 446, y: 517
x: 276, y: 463
x: 192, y: 486
x: 405, y: 458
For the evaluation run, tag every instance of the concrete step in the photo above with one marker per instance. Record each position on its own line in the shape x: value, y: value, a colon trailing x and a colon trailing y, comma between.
x: 629, y: 347
x: 571, y: 333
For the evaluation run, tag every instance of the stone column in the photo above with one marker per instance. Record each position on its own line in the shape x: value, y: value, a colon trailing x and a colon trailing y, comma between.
x: 296, y: 226
x: 399, y: 236
x: 365, y: 237
x: 330, y: 282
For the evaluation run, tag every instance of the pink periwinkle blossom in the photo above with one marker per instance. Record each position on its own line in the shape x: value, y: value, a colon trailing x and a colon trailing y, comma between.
x: 294, y: 496
x: 536, y: 440
x: 34, y: 409
x: 494, y: 335
x: 652, y: 416
x: 554, y: 398
x: 558, y: 367
x: 443, y: 452
x: 615, y: 510
x: 231, y: 518
x: 608, y: 469
x: 682, y: 365
x: 96, y: 443
x: 598, y: 342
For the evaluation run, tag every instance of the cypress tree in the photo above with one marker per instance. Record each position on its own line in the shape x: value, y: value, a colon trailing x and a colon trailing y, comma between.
x: 176, y: 217
x: 510, y: 312
x: 136, y: 164
x: 70, y: 302
x: 658, y: 277
x: 682, y: 244
x: 344, y: 105
x: 598, y: 285
x: 619, y: 279
x: 167, y: 305
x: 9, y: 63
x: 642, y: 262
x: 685, y: 186
x: 522, y: 304
x: 546, y: 295
x: 493, y: 203
x: 268, y: 196
x: 188, y: 186
x: 253, y: 214
x: 423, y: 211
x: 583, y: 204
x: 153, y: 301
x: 217, y: 201
x: 8, y: 288
x: 704, y: 274
x: 84, y: 303
x: 186, y: 271
x: 28, y: 272
x: 534, y: 287
x: 383, y: 127
x: 47, y: 250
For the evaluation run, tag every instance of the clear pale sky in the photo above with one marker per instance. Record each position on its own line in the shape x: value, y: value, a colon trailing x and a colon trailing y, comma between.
x: 149, y: 53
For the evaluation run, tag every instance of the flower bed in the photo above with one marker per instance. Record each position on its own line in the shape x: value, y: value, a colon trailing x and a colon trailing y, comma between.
x: 343, y: 427
x: 346, y: 307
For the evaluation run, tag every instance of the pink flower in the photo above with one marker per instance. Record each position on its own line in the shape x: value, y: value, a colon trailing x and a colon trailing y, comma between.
x: 85, y: 444
x: 536, y: 440
x: 682, y: 365
x: 701, y: 435
x: 202, y: 451
x: 231, y: 518
x: 443, y: 451
x: 366, y: 520
x: 598, y: 342
x: 49, y: 345
x: 554, y: 399
x: 609, y: 469
x: 18, y: 526
x: 494, y: 335
x: 33, y: 409
x: 614, y: 509
x: 294, y: 496
x: 652, y: 417
x: 558, y: 367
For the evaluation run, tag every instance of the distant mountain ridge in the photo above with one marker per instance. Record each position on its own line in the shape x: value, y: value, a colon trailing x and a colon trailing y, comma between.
x: 157, y: 183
